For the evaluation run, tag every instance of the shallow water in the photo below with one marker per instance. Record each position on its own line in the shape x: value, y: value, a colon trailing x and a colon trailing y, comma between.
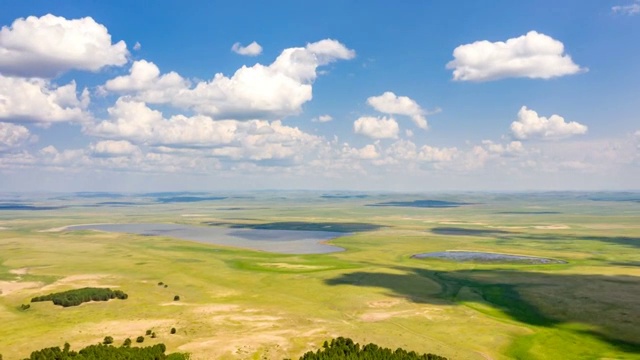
x: 422, y: 204
x: 486, y: 257
x: 275, y: 241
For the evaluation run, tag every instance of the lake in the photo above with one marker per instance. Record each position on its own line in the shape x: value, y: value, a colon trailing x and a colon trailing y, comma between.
x: 274, y: 241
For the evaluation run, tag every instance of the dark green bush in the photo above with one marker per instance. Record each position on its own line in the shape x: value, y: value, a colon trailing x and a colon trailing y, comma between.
x: 107, y: 340
x: 140, y: 339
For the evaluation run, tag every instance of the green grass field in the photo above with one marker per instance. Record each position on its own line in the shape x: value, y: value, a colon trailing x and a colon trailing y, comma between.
x: 244, y: 304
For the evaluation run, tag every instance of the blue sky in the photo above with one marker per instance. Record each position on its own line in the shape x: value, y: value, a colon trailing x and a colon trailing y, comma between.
x: 355, y: 95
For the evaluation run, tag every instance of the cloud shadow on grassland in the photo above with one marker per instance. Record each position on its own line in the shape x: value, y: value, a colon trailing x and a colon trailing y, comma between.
x: 608, y: 304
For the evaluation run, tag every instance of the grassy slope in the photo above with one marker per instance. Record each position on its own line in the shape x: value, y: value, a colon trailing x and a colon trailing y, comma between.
x: 244, y: 304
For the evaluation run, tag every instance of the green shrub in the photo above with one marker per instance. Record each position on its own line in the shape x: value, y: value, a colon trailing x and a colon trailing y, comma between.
x: 176, y: 298
x: 127, y: 342
x: 140, y: 339
x: 107, y: 340
x: 173, y: 330
x: 148, y: 332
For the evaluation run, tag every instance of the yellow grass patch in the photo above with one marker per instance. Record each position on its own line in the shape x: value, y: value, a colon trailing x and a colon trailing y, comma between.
x: 292, y: 266
x: 8, y: 287
x: 552, y: 227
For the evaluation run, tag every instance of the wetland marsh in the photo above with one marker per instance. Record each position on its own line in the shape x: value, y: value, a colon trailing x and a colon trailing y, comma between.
x: 479, y: 256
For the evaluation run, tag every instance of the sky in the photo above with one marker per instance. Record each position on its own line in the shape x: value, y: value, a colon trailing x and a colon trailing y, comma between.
x: 332, y: 95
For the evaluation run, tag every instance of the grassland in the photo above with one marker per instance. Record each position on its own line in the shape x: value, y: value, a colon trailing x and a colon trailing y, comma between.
x: 243, y: 304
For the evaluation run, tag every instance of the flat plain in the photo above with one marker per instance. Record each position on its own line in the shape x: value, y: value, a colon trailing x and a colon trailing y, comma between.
x: 242, y: 303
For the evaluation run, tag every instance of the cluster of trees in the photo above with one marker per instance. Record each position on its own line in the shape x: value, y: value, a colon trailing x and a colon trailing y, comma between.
x: 107, y: 352
x: 345, y: 349
x: 79, y: 296
x: 338, y: 349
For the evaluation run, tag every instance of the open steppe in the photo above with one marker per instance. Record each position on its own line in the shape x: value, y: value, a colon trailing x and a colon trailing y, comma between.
x: 239, y: 303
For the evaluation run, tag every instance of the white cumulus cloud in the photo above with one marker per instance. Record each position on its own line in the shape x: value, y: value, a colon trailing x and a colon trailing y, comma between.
x: 144, y: 77
x: 38, y: 101
x: 514, y: 147
x: 253, y: 49
x: 630, y: 9
x: 390, y: 103
x: 108, y: 148
x: 367, y: 152
x: 322, y: 118
x: 533, y: 55
x: 239, y: 140
x: 434, y: 154
x: 49, y: 45
x: 376, y: 127
x: 531, y: 125
x: 404, y: 152
x: 259, y: 91
x: 12, y: 136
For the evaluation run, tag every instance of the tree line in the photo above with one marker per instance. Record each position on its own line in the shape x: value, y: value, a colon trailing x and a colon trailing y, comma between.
x: 107, y: 352
x: 345, y: 349
x: 78, y: 296
x: 338, y: 349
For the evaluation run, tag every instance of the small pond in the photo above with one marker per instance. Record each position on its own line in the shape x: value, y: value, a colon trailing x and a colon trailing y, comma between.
x: 478, y: 256
x: 275, y: 241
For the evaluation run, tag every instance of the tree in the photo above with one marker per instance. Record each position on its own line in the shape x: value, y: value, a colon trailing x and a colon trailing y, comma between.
x: 176, y: 298
x: 148, y: 332
x: 126, y: 343
x: 153, y: 335
x: 140, y: 339
x: 108, y: 340
x: 173, y: 331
